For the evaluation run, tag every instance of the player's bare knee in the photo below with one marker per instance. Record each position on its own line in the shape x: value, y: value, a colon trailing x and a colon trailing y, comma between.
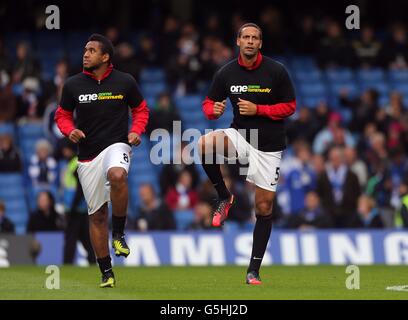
x: 263, y: 208
x: 99, y: 219
x: 206, y: 143
x: 117, y: 176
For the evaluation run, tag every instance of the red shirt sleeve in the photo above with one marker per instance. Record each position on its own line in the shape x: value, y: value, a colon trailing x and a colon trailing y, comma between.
x: 64, y: 120
x: 140, y: 117
x: 208, y: 108
x: 277, y: 111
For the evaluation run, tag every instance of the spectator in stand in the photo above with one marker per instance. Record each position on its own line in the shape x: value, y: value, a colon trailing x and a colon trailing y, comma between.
x: 401, y: 214
x: 169, y: 37
x: 377, y: 153
x: 363, y: 109
x: 339, y: 189
x: 43, y: 167
x: 125, y: 60
x: 273, y: 29
x: 182, y: 196
x: 379, y: 185
x: 6, y: 226
x: 148, y: 55
x: 368, y: 215
x: 8, y: 102
x: 76, y: 210
x: 181, y: 162
x: 303, y: 127
x: 29, y: 108
x: 356, y: 165
x: 367, y: 49
x: 9, y: 156
x: 185, y: 67
x: 306, y: 38
x: 300, y: 178
x: 334, y: 50
x: 5, y: 59
x: 52, y: 88
x: 395, y: 53
x: 163, y: 114
x: 332, y: 133
x: 114, y: 35
x: 45, y: 218
x: 154, y: 214
x: 311, y: 216
x: 202, y: 217
x: 26, y: 66
x: 398, y: 170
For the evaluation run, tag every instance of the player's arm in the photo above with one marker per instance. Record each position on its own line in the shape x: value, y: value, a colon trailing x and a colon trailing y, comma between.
x: 285, y: 108
x: 64, y: 116
x: 214, y: 104
x: 140, y: 113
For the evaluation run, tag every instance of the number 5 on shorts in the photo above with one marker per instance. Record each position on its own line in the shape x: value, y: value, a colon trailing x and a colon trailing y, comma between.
x: 276, y: 177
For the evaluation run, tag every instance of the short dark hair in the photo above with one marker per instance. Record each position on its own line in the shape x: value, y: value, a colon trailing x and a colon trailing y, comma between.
x: 106, y: 44
x: 250, y: 24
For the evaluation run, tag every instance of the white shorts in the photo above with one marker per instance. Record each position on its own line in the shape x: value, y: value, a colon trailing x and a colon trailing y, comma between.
x: 264, y: 167
x: 93, y: 174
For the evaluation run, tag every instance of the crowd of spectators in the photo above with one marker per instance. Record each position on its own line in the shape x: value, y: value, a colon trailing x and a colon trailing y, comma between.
x: 337, y: 173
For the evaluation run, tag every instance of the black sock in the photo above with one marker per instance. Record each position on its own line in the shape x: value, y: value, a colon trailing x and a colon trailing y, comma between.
x: 118, y: 225
x: 262, y: 232
x: 213, y: 172
x: 105, y: 265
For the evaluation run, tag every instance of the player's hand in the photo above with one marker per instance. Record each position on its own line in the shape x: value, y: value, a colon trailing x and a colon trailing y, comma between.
x: 76, y: 135
x: 246, y: 108
x: 134, y: 139
x: 219, y: 108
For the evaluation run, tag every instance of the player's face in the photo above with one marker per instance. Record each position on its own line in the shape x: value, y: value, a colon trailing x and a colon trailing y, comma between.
x: 249, y: 42
x: 93, y: 56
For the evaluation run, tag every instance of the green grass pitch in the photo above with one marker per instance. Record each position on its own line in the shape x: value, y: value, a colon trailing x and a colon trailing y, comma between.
x: 205, y: 283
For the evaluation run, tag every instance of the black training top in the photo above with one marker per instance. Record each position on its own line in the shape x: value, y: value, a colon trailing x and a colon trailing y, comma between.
x: 102, y: 108
x: 268, y: 83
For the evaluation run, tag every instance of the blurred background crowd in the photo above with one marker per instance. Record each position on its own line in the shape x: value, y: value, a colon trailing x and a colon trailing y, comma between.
x: 346, y: 165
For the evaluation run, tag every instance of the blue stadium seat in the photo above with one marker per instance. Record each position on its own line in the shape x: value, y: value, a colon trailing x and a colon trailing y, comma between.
x: 401, y: 88
x: 312, y: 89
x: 371, y: 75
x: 398, y: 76
x: 7, y: 179
x: 351, y: 87
x: 31, y: 130
x: 149, y: 75
x: 381, y: 86
x: 308, y: 76
x: 384, y: 100
x: 313, y: 101
x: 340, y: 75
x: 153, y: 88
x: 8, y: 128
x: 189, y: 102
x: 303, y: 63
x: 49, y: 40
x: 183, y: 218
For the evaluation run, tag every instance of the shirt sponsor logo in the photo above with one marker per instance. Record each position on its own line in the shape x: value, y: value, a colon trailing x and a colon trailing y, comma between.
x: 238, y: 89
x: 88, y: 98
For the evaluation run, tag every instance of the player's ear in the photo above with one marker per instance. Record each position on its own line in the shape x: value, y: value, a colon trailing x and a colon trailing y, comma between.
x: 238, y: 42
x: 105, y: 57
x: 260, y: 45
